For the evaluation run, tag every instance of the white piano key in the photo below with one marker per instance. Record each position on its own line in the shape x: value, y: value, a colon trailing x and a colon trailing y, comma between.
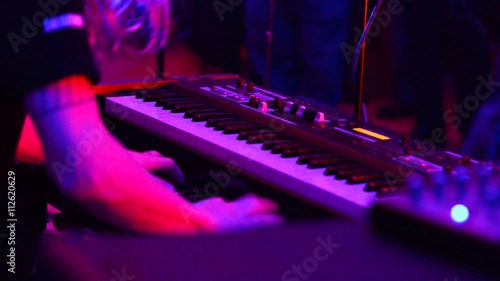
x: 283, y: 173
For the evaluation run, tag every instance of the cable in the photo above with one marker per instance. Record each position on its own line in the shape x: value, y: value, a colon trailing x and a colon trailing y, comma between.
x: 361, y: 45
x: 365, y: 33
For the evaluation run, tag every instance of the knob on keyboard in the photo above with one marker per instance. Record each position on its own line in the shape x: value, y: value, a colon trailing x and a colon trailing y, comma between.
x: 279, y: 103
x: 320, y: 117
x: 254, y: 101
x: 288, y: 107
x: 251, y: 87
x: 309, y: 114
x: 240, y: 83
x: 263, y: 106
x: 466, y: 161
x: 300, y: 111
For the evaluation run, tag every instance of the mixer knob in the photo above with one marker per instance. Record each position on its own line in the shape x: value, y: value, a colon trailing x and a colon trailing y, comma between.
x: 466, y: 161
x: 320, y: 117
x: 254, y: 101
x: 263, y: 106
x: 240, y: 83
x: 288, y: 107
x: 278, y: 103
x: 250, y: 87
x: 301, y: 110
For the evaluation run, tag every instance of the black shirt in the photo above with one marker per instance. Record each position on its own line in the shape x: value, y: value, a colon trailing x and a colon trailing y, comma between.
x: 42, y: 42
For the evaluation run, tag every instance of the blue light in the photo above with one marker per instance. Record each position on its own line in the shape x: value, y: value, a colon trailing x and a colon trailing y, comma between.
x: 459, y: 213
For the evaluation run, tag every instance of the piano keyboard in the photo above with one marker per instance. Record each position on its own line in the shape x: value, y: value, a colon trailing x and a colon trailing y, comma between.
x: 227, y: 133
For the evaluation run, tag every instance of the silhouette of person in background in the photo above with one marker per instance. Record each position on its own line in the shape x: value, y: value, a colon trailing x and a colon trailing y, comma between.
x: 305, y: 60
x: 483, y: 139
x: 448, y: 40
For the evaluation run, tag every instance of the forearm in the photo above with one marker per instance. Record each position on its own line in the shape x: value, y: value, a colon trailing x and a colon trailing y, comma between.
x: 89, y: 165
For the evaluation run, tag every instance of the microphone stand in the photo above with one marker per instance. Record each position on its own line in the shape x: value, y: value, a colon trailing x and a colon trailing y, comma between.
x: 360, y: 70
x: 269, y: 43
x: 160, y: 63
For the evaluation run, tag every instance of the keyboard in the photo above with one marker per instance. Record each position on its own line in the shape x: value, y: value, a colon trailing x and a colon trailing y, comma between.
x: 305, y: 149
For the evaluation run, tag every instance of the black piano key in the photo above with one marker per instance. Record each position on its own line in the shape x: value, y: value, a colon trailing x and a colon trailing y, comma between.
x: 267, y: 137
x: 222, y: 125
x: 234, y: 129
x: 305, y: 159
x: 345, y: 174
x: 278, y: 149
x: 364, y: 178
x: 192, y: 112
x: 212, y: 115
x: 267, y: 145
x: 162, y: 102
x: 244, y: 135
x: 178, y: 108
x: 212, y: 122
x: 375, y: 185
x: 148, y: 97
x: 139, y: 94
x: 168, y: 105
x: 323, y: 163
x: 334, y: 169
x: 295, y: 152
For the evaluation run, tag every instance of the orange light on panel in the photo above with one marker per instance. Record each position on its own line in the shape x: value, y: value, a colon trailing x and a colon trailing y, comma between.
x: 371, y: 134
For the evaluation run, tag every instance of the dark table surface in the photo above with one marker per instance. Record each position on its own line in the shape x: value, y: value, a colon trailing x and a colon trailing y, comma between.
x: 328, y: 250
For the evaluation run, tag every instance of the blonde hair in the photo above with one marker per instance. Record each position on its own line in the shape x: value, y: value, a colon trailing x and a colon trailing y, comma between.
x: 141, y: 26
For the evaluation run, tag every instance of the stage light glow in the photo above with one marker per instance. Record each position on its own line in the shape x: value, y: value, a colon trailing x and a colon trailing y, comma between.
x: 459, y: 213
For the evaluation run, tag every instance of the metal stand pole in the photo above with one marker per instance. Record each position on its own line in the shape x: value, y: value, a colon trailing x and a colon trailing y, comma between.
x: 360, y: 70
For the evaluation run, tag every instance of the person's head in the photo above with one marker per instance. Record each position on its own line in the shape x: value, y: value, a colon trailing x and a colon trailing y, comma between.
x: 138, y: 25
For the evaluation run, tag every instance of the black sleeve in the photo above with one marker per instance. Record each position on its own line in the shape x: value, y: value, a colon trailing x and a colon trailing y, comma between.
x: 34, y: 53
x: 487, y: 13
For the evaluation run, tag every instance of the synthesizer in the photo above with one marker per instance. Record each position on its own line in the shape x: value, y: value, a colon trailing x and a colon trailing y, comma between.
x: 306, y: 149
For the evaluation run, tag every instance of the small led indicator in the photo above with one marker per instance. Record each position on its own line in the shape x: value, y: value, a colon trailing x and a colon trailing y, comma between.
x: 459, y: 213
